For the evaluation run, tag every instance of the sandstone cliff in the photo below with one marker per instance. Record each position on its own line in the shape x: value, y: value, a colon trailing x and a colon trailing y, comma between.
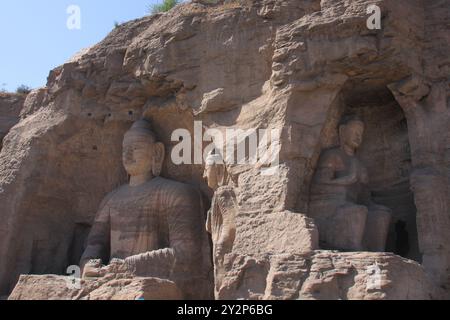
x: 10, y: 108
x: 287, y: 64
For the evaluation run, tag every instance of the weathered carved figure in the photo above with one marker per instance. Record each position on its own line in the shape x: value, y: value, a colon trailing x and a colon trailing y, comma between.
x: 221, y: 216
x: 341, y: 203
x: 152, y: 226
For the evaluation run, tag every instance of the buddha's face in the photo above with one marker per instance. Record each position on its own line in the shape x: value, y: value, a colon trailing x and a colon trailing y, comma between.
x: 352, y: 134
x: 137, y: 154
x: 210, y: 174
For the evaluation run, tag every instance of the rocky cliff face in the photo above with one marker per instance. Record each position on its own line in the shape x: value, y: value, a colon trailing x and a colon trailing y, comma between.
x: 296, y: 66
x: 10, y: 108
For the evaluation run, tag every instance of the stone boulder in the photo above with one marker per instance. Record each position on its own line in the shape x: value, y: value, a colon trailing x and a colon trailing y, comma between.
x: 111, y: 287
x: 326, y: 275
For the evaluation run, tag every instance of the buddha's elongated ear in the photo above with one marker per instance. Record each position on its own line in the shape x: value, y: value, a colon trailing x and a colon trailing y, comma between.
x: 158, y: 158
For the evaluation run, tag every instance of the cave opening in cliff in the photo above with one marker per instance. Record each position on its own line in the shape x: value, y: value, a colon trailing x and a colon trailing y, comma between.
x: 386, y: 154
x: 78, y: 243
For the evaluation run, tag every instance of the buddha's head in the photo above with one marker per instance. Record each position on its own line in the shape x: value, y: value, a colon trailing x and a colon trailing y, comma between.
x: 351, y: 131
x: 141, y: 153
x: 214, y: 170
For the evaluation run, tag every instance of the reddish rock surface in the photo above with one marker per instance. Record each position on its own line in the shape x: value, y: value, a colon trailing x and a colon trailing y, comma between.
x: 297, y: 66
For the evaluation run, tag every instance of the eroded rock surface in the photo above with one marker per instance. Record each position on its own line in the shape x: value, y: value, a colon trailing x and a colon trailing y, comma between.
x: 10, y: 108
x: 112, y: 287
x: 296, y: 66
x: 326, y: 275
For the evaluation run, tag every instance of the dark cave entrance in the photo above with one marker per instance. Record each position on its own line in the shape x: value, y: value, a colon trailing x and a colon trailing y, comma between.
x: 386, y: 154
x: 78, y: 244
x: 401, y: 245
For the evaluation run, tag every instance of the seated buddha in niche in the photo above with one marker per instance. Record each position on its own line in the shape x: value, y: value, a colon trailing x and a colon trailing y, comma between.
x: 152, y: 226
x: 341, y: 203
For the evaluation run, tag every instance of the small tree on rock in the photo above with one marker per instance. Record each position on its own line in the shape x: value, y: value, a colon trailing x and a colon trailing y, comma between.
x: 165, y: 6
x: 23, y: 89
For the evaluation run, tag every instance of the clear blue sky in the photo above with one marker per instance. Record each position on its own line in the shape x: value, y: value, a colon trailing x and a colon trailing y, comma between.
x: 35, y: 37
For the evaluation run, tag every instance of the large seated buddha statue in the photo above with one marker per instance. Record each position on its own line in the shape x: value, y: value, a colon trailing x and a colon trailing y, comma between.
x: 152, y: 226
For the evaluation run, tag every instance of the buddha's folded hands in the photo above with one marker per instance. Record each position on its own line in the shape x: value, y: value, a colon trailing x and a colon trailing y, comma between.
x: 157, y: 263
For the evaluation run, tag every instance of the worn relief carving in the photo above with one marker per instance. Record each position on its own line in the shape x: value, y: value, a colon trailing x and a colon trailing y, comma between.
x: 221, y: 217
x: 341, y: 204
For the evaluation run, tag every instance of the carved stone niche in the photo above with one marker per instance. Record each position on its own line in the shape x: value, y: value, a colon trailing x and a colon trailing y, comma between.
x: 386, y: 158
x: 386, y: 154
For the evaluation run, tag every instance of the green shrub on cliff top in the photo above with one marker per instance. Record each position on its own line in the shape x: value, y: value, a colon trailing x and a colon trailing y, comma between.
x: 23, y: 89
x: 165, y: 6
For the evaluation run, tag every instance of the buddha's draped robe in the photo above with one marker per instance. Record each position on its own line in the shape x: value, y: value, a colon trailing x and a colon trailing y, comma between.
x: 156, y: 227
